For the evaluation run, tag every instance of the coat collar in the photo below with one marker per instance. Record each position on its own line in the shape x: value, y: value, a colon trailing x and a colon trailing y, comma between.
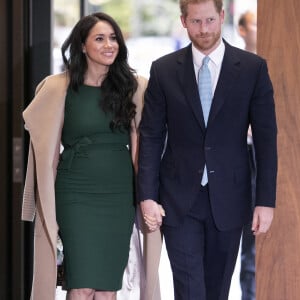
x: 228, y: 75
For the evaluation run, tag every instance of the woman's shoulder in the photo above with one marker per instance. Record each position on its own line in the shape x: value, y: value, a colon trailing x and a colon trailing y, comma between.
x: 142, y: 84
x: 55, y: 82
x: 138, y: 97
x: 142, y: 81
x: 50, y: 91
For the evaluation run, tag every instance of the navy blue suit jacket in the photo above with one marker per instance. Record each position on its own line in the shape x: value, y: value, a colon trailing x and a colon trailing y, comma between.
x: 171, y: 174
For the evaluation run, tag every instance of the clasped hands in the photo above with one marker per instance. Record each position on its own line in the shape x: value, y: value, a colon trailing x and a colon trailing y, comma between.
x: 152, y: 214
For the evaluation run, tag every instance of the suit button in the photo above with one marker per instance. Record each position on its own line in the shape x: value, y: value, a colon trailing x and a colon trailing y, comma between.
x: 211, y: 172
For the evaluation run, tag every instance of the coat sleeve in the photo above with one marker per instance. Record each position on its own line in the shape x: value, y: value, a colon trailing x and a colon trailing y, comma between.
x: 141, y: 276
x: 138, y: 100
x: 28, y: 207
x: 29, y: 193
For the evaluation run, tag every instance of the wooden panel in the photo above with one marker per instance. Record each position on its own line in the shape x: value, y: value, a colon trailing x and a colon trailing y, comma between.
x: 16, y: 140
x: 278, y: 252
x: 4, y: 204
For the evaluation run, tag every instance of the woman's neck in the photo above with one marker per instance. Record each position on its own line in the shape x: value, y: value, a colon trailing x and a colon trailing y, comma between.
x: 95, y: 77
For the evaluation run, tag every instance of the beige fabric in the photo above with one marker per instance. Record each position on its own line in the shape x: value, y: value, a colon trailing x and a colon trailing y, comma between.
x: 44, y: 120
x: 152, y: 252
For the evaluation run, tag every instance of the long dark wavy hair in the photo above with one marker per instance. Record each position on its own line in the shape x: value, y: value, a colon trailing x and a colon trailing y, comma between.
x: 120, y: 84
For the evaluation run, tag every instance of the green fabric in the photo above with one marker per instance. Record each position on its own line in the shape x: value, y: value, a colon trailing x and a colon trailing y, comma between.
x: 94, y: 194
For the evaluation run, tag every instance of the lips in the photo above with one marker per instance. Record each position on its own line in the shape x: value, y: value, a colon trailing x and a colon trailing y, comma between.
x: 206, y: 36
x: 108, y: 54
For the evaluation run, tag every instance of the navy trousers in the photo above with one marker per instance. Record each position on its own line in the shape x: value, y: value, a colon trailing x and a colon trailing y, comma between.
x: 247, y: 273
x: 202, y: 258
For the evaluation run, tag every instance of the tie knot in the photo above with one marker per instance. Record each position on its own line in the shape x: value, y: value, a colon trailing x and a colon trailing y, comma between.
x: 205, y: 61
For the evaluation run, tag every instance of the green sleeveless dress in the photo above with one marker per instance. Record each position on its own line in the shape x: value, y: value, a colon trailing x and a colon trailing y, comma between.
x: 94, y: 194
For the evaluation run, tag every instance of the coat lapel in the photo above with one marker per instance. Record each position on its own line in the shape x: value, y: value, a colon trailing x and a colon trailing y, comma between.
x: 229, y: 73
x: 188, y: 82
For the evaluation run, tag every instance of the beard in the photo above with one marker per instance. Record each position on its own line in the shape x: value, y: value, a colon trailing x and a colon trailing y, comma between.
x: 206, y: 43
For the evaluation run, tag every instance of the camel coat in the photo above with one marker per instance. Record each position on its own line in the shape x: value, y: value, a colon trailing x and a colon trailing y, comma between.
x: 44, y: 120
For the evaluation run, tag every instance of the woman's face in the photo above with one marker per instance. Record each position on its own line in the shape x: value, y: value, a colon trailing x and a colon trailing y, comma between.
x: 101, y: 47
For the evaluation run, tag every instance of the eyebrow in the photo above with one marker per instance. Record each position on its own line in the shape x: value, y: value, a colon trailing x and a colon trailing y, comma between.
x: 103, y: 34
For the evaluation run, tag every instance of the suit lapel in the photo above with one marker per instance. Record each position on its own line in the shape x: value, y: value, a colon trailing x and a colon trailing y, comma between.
x: 229, y: 73
x: 188, y: 82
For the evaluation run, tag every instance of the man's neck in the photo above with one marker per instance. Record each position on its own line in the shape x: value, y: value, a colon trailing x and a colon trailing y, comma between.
x: 250, y: 48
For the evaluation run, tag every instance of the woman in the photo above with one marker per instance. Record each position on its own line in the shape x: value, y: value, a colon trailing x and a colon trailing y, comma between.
x: 93, y: 109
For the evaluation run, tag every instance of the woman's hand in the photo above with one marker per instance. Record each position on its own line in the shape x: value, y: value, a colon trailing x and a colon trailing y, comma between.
x: 152, y: 214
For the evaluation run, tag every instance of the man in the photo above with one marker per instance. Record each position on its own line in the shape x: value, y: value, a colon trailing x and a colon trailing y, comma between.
x: 200, y: 174
x: 247, y: 28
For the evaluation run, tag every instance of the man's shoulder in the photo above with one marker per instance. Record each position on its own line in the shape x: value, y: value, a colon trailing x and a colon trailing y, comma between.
x: 173, y: 56
x: 242, y: 54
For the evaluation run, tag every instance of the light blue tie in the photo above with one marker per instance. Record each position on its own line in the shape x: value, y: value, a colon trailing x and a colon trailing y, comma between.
x: 205, y: 92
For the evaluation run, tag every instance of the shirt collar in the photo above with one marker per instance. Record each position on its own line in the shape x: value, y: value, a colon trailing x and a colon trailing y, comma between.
x: 215, y: 56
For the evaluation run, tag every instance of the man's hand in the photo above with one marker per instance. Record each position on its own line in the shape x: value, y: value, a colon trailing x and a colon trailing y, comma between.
x: 152, y: 213
x: 262, y: 219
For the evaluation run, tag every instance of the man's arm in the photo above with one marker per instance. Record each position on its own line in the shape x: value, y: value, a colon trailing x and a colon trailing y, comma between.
x: 152, y: 138
x: 264, y: 131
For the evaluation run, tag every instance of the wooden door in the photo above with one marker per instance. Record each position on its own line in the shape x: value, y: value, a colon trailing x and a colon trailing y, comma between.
x: 278, y: 252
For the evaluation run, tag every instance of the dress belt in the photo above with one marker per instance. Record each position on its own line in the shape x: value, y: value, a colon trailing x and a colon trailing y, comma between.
x: 79, y: 148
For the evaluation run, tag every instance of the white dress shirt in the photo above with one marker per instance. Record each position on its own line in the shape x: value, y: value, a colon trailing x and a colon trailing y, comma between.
x: 214, y: 64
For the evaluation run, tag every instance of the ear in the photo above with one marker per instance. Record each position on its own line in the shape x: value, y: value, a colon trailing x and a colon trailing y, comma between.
x: 83, y: 48
x: 242, y: 31
x: 222, y: 16
x: 183, y: 21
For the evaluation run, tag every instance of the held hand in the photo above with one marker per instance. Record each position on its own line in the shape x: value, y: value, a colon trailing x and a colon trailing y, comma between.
x: 262, y: 219
x: 152, y: 213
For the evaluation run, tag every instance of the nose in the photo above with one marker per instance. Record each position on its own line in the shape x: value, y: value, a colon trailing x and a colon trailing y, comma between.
x: 107, y: 43
x: 203, y: 27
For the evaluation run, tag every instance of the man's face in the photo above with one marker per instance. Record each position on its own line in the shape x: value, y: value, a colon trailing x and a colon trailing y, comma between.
x: 251, y: 30
x: 204, y: 25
